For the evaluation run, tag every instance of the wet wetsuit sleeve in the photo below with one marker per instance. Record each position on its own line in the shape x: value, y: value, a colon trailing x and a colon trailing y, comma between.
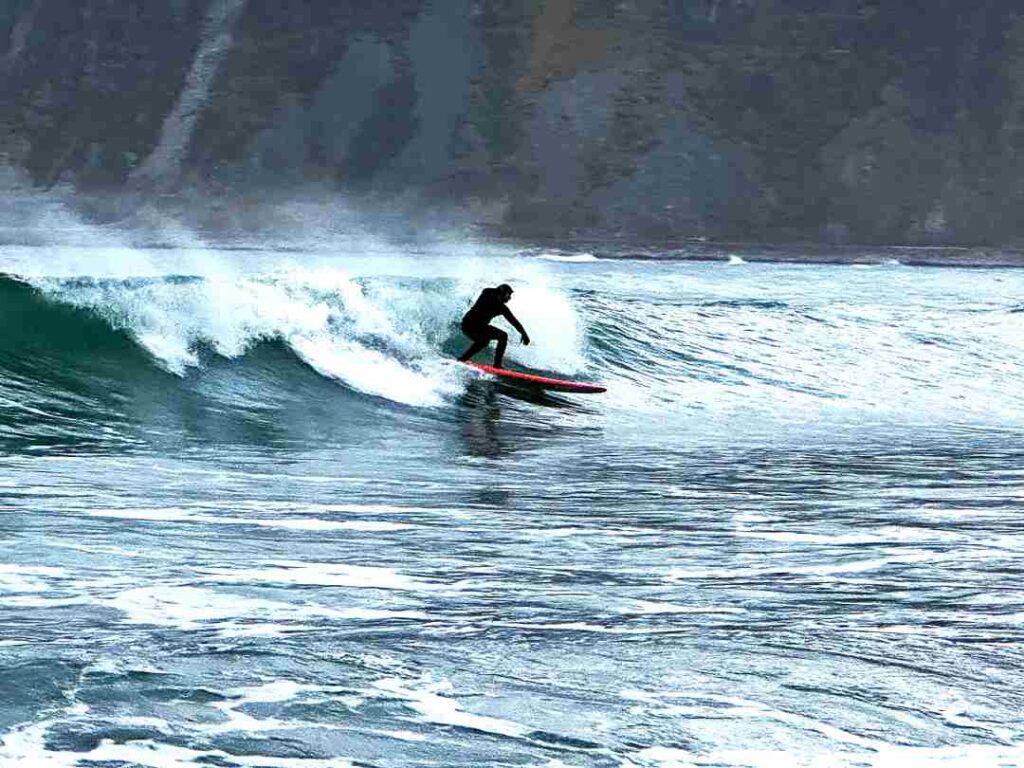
x: 507, y: 314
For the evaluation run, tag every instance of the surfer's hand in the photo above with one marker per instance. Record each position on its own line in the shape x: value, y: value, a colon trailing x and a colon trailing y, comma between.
x: 526, y: 339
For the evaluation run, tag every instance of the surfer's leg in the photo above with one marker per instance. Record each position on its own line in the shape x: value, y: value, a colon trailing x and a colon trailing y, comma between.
x: 499, y: 352
x: 475, y: 347
x: 480, y: 339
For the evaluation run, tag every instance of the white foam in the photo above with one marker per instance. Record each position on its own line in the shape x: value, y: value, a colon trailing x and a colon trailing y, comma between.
x: 275, y: 692
x: 325, y: 575
x: 26, y: 578
x: 368, y: 370
x: 369, y: 332
x: 405, y: 735
x: 325, y: 316
x: 375, y: 525
x: 34, y: 570
x: 444, y: 710
x: 569, y: 258
x: 233, y: 629
x: 971, y: 756
x: 190, y: 608
x: 112, y: 666
x: 185, y: 607
x: 179, y: 515
x: 36, y: 601
x: 850, y: 749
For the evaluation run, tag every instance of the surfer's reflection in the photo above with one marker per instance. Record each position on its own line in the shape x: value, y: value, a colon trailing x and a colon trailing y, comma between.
x: 482, y: 430
x: 498, y: 420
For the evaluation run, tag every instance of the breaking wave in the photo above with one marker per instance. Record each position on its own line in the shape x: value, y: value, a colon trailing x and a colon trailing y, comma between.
x: 88, y: 353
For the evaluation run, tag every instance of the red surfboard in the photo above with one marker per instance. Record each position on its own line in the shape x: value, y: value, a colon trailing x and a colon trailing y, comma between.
x: 545, y: 382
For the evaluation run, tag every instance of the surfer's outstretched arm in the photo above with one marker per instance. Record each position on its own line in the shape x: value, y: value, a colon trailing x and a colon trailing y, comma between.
x: 507, y: 314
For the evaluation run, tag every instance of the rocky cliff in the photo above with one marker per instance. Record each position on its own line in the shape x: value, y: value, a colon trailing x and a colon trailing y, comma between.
x: 839, y: 120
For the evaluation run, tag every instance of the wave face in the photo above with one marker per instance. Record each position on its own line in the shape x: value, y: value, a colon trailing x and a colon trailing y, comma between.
x: 783, y: 343
x: 102, y: 352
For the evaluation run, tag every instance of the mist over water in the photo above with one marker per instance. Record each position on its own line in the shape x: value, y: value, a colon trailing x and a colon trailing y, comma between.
x: 255, y: 515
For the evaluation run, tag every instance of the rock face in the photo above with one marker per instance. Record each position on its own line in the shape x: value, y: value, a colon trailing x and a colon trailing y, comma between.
x: 845, y: 120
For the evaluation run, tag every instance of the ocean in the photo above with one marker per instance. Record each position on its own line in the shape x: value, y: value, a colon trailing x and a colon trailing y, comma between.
x: 254, y: 514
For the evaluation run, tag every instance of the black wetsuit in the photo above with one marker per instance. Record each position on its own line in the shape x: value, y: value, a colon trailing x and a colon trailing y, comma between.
x: 476, y: 324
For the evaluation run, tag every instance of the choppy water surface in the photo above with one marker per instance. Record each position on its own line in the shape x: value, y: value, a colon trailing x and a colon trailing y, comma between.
x: 253, y: 516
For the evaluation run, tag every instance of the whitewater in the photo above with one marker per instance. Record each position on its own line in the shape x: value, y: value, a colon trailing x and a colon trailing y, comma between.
x: 254, y: 514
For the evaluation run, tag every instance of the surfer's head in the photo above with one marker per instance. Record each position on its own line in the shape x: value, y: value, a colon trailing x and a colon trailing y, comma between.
x: 506, y: 292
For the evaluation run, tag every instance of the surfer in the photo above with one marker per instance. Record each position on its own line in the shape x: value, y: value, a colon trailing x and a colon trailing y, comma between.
x: 476, y: 323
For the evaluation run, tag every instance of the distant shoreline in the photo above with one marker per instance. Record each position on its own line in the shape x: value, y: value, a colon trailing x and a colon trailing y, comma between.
x: 975, y: 257
x: 808, y: 253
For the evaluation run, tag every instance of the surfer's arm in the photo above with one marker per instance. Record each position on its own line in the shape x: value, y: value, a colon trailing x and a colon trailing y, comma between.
x: 507, y: 314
